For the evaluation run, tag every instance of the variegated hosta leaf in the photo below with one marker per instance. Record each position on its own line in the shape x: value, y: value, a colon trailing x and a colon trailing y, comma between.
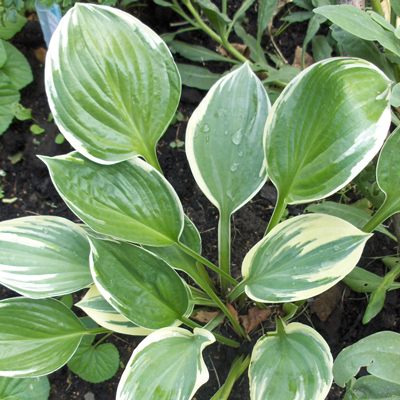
x: 388, y: 174
x: 139, y: 285
x: 97, y: 307
x: 379, y: 353
x: 301, y: 258
x: 325, y: 127
x: 168, y: 364
x: 176, y: 257
x: 24, y: 388
x: 112, y: 84
x: 224, y: 140
x: 293, y: 363
x: 129, y: 200
x: 37, y: 336
x: 43, y: 256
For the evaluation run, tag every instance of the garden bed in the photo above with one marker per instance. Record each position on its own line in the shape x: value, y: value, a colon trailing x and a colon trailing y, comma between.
x: 336, y: 314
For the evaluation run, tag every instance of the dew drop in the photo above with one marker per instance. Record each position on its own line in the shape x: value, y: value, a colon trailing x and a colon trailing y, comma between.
x: 207, y: 138
x: 226, y: 132
x: 196, y: 133
x: 237, y: 137
x: 206, y: 128
x: 240, y: 153
x: 336, y: 248
x: 229, y: 193
x: 234, y: 166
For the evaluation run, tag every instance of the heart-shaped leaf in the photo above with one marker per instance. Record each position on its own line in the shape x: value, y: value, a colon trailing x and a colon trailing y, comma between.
x: 301, y: 258
x: 223, y: 140
x: 379, y: 352
x: 10, y: 29
x: 3, y: 54
x: 325, y: 127
x: 16, y: 67
x: 168, y: 364
x: 97, y: 307
x: 94, y: 364
x: 9, y: 95
x: 37, y: 336
x: 129, y: 200
x: 294, y: 363
x: 138, y: 284
x: 43, y: 256
x: 24, y: 388
x: 112, y: 84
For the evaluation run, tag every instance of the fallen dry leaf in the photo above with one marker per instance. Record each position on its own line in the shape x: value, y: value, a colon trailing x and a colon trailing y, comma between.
x: 308, y: 60
x: 40, y: 54
x: 232, y: 311
x: 241, y: 48
x: 205, y: 316
x: 254, y: 318
x: 326, y: 302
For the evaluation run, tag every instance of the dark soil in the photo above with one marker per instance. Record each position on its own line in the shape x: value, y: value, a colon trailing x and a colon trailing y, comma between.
x: 28, y: 182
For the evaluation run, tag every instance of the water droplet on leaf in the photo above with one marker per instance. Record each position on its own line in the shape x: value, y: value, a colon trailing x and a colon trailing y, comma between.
x: 237, y: 137
x: 234, y: 166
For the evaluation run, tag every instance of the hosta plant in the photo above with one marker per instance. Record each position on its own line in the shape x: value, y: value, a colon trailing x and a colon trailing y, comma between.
x: 113, y: 88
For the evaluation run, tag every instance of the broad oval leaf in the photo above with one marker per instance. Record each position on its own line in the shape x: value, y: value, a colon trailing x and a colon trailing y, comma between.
x: 138, y: 284
x: 168, y: 364
x: 301, y: 258
x: 372, y: 388
x: 130, y: 200
x: 24, y: 388
x: 44, y: 256
x: 325, y: 127
x: 198, y: 77
x: 218, y: 20
x: 94, y: 364
x: 367, y: 50
x: 360, y: 24
x: 97, y: 307
x: 224, y: 140
x: 379, y: 353
x: 362, y: 281
x: 112, y: 84
x: 388, y: 174
x: 294, y: 363
x: 37, y: 336
x: 352, y: 214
